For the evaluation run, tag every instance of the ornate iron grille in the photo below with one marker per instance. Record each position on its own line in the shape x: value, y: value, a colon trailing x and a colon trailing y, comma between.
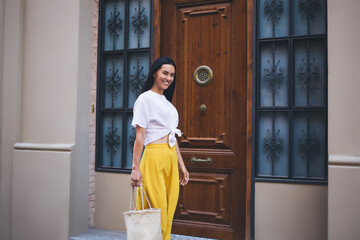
x: 114, y: 25
x: 296, y: 89
x: 308, y: 9
x: 273, y: 144
x: 273, y: 9
x: 274, y: 74
x: 113, y: 82
x: 308, y: 73
x: 112, y: 140
x: 123, y: 62
x: 308, y: 144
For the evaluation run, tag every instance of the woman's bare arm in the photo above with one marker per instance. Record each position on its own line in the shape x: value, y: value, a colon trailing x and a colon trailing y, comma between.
x: 136, y: 177
x: 184, y: 174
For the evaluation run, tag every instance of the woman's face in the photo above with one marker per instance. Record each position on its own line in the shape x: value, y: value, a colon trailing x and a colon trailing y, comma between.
x: 164, y: 77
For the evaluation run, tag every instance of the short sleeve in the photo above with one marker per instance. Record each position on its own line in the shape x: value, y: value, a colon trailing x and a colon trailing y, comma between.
x: 140, y: 112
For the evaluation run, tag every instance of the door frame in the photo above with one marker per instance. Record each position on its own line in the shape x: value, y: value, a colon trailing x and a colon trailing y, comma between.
x: 156, y: 46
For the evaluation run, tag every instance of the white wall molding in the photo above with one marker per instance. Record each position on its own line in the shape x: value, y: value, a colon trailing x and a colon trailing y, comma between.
x: 344, y: 160
x: 44, y: 147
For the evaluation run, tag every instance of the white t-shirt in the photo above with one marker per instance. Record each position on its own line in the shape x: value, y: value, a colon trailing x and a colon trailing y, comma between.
x: 157, y: 115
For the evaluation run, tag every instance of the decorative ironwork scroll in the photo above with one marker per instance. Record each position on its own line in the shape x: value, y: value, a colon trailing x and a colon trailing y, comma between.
x: 307, y: 7
x: 273, y: 144
x: 274, y: 75
x: 308, y: 145
x: 114, y: 25
x: 113, y: 82
x: 139, y: 21
x: 274, y: 8
x: 112, y: 140
x: 138, y: 78
x: 308, y: 74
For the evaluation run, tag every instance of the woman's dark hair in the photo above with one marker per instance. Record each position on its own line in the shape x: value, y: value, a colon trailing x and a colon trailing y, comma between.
x: 169, y: 92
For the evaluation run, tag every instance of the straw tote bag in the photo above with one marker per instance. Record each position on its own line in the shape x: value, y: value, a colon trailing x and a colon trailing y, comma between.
x: 144, y: 224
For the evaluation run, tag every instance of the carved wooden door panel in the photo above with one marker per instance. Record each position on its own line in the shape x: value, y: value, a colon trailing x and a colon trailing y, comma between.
x: 210, y: 35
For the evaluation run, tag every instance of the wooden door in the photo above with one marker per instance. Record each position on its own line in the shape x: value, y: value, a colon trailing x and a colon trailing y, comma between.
x: 214, y: 116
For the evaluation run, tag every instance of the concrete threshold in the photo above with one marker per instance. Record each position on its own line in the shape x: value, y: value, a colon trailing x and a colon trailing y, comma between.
x: 102, y: 234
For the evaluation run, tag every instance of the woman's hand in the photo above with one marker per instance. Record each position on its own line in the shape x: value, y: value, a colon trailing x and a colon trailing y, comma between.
x: 184, y: 176
x: 136, y: 177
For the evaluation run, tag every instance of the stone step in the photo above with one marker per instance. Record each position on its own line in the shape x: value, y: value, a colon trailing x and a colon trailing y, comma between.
x: 102, y: 234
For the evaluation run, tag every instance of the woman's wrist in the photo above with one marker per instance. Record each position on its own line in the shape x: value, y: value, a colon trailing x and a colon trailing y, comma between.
x: 182, y: 166
x: 135, y: 168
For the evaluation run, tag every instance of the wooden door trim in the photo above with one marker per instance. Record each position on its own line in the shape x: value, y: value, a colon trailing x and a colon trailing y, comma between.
x: 249, y: 118
x: 156, y: 37
x: 156, y: 30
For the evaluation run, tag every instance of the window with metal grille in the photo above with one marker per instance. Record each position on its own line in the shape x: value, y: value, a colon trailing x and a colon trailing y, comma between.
x: 291, y: 91
x: 123, y: 64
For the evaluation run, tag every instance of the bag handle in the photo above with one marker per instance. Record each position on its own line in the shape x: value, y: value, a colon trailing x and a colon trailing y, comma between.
x: 132, y: 198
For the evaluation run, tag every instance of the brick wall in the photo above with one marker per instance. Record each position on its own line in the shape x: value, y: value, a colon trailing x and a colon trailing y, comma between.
x: 95, y: 13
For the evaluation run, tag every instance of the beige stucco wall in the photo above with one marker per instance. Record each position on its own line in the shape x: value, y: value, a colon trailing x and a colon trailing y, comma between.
x: 55, y: 102
x: 50, y: 61
x: 2, y: 18
x: 45, y: 94
x: 79, y: 210
x: 112, y: 193
x: 344, y: 77
x: 41, y: 194
x: 290, y: 211
x: 344, y: 118
x: 10, y: 101
x: 55, y: 96
x: 344, y: 198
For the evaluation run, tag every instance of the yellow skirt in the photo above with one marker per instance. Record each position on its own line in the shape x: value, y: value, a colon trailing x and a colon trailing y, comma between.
x: 160, y: 177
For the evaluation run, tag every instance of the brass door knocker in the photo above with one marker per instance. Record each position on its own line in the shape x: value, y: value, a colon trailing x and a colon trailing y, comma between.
x: 203, y: 75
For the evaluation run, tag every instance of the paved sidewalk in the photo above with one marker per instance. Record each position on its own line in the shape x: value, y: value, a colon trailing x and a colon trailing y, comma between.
x: 101, y: 234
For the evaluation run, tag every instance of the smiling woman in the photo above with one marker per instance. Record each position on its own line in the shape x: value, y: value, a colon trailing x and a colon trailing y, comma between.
x: 156, y: 121
x: 163, y: 78
x: 161, y: 64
